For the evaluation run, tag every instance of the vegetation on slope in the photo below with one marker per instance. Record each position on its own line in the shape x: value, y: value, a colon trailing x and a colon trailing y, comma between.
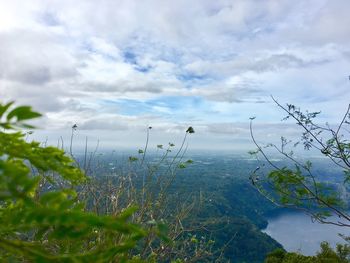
x: 326, y: 255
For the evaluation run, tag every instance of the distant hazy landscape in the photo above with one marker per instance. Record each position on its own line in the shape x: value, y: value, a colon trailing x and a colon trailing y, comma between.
x: 223, y: 180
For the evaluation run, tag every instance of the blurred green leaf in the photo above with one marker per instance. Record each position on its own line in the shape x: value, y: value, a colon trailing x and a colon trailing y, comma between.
x: 4, y: 108
x: 22, y: 113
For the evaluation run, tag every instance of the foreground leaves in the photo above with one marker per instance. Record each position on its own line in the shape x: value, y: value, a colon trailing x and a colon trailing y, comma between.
x: 41, y: 217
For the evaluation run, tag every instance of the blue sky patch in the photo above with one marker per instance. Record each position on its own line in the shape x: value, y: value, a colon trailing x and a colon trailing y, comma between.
x: 130, y: 57
x: 171, y: 107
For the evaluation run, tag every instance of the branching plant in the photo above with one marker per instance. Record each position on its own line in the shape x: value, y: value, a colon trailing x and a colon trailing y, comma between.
x: 296, y: 185
x: 147, y: 181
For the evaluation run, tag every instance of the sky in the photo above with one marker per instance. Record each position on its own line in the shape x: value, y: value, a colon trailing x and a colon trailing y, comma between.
x: 116, y: 67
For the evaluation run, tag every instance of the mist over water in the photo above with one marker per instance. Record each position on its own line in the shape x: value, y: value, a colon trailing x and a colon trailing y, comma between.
x: 297, y: 233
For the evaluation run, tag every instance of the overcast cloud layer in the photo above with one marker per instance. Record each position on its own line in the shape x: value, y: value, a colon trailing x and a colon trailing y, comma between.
x: 115, y: 67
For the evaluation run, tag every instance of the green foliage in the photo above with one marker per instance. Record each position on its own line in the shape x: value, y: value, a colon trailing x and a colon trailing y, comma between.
x: 41, y: 217
x: 297, y: 185
x: 15, y: 117
x: 133, y: 159
x: 326, y: 255
x: 230, y: 210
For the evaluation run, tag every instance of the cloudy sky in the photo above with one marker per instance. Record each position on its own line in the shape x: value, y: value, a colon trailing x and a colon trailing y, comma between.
x: 115, y: 67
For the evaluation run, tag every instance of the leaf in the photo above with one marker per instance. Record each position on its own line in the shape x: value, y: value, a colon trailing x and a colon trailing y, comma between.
x: 132, y: 159
x: 4, y: 108
x: 181, y: 166
x: 23, y: 113
x: 190, y: 130
x: 5, y: 126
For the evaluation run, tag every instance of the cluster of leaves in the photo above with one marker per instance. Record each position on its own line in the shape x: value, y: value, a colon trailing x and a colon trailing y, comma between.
x: 327, y: 254
x: 296, y: 185
x: 41, y: 217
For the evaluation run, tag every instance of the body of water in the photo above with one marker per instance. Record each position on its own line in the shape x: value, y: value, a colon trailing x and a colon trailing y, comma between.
x: 298, y: 233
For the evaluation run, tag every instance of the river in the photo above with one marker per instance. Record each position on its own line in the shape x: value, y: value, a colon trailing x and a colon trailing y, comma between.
x: 297, y: 233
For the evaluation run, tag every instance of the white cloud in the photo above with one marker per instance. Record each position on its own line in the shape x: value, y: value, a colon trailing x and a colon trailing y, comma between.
x: 65, y: 57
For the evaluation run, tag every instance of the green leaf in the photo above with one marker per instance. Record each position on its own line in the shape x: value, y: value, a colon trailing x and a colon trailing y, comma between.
x: 181, y: 166
x: 4, y: 108
x: 133, y: 159
x: 23, y: 113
